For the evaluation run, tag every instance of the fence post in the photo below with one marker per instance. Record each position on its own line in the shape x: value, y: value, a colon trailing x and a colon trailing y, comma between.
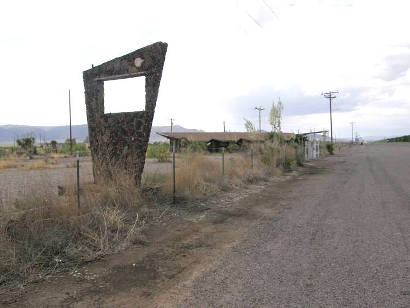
x: 78, y: 178
x: 223, y: 161
x: 173, y: 171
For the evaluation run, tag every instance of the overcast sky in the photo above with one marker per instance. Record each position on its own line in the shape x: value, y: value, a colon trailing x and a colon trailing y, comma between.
x: 224, y: 58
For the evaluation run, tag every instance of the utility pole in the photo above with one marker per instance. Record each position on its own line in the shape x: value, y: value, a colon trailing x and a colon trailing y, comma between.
x: 259, y: 109
x: 330, y: 95
x: 352, y: 123
x: 224, y: 126
x: 71, y: 132
x: 172, y: 123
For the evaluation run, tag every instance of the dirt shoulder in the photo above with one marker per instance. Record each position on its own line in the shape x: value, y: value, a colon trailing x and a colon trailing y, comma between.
x: 186, y: 240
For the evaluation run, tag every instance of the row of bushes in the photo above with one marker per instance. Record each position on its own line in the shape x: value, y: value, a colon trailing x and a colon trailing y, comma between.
x: 30, y: 149
x: 266, y: 151
x: 400, y: 139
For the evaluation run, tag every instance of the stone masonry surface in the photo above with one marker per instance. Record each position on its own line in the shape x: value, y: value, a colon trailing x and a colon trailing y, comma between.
x: 119, y: 141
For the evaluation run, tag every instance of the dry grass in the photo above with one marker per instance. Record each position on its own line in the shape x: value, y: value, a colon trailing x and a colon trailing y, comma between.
x: 7, y: 164
x: 199, y: 175
x: 40, y: 164
x: 58, y: 155
x: 21, y: 163
x: 43, y: 233
x: 196, y: 176
x: 46, y: 233
x: 11, y: 161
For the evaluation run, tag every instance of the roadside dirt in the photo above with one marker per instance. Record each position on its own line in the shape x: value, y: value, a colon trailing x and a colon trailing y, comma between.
x: 188, y: 238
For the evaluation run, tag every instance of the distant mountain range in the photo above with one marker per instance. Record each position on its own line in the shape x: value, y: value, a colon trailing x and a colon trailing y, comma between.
x: 8, y: 133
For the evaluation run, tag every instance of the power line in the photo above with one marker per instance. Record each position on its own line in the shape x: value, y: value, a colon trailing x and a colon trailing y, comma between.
x: 253, y: 19
x: 270, y: 9
x: 330, y: 95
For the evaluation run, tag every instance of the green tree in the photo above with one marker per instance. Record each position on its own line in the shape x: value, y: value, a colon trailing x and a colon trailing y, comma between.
x: 54, y: 145
x: 26, y: 143
x: 276, y: 116
x: 158, y: 150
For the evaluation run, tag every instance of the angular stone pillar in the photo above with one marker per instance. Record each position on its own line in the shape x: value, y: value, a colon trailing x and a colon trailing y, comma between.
x: 119, y: 141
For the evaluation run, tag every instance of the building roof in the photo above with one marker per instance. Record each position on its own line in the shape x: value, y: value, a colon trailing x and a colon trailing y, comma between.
x: 220, y: 136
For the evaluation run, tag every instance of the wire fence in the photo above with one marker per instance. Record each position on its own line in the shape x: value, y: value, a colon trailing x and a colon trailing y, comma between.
x: 77, y: 170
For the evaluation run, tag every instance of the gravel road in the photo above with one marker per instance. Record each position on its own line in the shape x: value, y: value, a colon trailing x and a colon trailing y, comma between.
x: 343, y: 241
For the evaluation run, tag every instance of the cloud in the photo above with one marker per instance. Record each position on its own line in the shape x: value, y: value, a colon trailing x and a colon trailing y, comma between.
x: 396, y: 66
x: 295, y: 101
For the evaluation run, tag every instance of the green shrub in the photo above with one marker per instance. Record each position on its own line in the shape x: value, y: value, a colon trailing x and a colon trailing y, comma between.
x: 400, y: 139
x: 158, y: 150
x: 3, y: 152
x: 300, y: 154
x: 276, y: 137
x: 269, y: 155
x: 26, y: 144
x: 233, y: 147
x: 195, y: 147
x: 329, y: 148
x: 287, y: 157
x: 79, y: 147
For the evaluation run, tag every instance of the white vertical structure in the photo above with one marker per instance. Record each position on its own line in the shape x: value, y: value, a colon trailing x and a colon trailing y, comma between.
x: 312, y: 146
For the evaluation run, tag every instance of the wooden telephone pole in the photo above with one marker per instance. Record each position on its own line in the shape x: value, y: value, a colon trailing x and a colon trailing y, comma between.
x: 172, y: 123
x: 71, y: 132
x: 330, y: 95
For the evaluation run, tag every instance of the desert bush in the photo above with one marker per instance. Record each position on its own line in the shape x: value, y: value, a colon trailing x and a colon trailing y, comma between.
x: 300, y: 155
x: 233, y: 147
x: 79, y: 147
x: 195, y: 147
x: 276, y: 137
x: 158, y: 150
x: 26, y: 144
x: 399, y: 139
x: 239, y: 170
x: 3, y: 152
x: 287, y: 157
x: 329, y: 148
x: 276, y: 155
x: 269, y: 154
x: 196, y: 176
x: 48, y: 233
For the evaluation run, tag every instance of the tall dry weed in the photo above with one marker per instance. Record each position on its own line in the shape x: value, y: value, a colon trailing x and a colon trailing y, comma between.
x: 197, y: 175
x: 45, y: 232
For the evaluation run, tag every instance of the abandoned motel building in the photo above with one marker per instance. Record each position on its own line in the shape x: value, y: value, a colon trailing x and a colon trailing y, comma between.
x: 216, y: 141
